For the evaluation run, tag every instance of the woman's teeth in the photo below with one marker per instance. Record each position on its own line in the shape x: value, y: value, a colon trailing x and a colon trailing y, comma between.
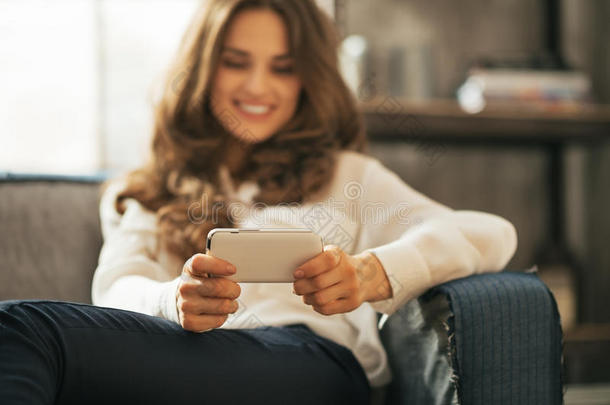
x: 254, y: 109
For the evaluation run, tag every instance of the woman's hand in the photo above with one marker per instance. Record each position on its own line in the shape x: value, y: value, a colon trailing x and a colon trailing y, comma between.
x: 334, y: 282
x: 204, y: 302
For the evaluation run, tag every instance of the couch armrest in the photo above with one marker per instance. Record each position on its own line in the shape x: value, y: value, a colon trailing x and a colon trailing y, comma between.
x: 507, y: 339
x: 496, y: 338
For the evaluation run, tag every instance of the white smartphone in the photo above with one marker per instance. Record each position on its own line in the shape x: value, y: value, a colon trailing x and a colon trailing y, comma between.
x: 265, y: 255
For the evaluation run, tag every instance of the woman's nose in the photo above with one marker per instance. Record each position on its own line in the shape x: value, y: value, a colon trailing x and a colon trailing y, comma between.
x: 256, y: 82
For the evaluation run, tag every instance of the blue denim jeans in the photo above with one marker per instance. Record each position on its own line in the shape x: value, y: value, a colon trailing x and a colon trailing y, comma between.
x: 54, y: 352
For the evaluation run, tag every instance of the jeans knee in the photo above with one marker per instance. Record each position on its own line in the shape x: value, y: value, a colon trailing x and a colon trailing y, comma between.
x: 30, y: 353
x: 10, y: 308
x: 20, y: 314
x: 8, y: 304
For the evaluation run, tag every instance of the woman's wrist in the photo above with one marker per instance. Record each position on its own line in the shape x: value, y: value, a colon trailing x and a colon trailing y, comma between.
x: 373, y: 277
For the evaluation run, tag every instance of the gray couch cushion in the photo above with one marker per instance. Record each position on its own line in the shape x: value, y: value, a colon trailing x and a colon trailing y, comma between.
x: 50, y: 238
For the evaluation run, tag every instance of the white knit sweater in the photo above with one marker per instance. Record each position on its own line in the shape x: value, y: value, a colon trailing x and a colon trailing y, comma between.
x: 419, y: 242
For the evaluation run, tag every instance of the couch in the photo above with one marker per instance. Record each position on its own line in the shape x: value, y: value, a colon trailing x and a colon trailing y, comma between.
x: 485, y: 339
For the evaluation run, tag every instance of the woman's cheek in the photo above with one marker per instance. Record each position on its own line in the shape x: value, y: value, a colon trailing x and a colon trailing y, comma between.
x: 226, y: 81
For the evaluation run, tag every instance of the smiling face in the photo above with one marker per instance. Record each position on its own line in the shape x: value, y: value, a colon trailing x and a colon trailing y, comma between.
x: 255, y: 87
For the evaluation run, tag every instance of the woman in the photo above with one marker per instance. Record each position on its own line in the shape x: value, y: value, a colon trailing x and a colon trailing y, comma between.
x: 254, y: 116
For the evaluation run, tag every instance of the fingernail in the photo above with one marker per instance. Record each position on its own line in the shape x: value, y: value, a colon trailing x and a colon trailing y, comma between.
x: 298, y: 273
x: 231, y: 268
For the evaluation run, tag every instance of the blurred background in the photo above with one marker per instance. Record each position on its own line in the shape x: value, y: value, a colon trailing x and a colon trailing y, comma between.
x: 502, y: 106
x: 494, y: 105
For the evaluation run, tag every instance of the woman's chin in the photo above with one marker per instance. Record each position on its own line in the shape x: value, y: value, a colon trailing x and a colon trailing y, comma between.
x: 251, y: 138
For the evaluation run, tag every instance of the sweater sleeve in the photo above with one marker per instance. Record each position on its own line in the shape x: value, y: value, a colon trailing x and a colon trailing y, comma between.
x: 127, y: 277
x: 422, y: 243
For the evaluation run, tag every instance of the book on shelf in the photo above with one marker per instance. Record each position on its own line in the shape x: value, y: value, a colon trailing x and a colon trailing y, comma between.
x: 551, y: 87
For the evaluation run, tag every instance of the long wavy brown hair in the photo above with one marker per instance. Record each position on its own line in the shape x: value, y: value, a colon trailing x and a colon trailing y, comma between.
x: 189, y: 141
